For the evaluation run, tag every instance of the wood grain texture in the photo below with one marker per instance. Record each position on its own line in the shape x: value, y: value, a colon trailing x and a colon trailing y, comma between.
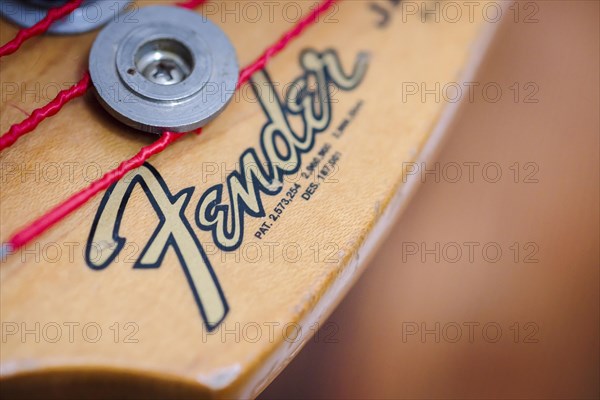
x: 291, y: 278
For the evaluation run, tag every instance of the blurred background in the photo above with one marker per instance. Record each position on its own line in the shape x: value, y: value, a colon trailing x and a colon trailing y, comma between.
x: 488, y: 286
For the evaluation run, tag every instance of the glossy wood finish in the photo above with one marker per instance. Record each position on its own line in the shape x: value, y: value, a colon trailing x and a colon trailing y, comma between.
x: 290, y: 279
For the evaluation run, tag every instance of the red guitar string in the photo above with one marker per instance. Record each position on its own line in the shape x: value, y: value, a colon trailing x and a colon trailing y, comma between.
x: 30, y: 123
x: 76, y: 201
x: 272, y: 51
x: 190, y: 4
x: 45, y: 222
x: 41, y: 27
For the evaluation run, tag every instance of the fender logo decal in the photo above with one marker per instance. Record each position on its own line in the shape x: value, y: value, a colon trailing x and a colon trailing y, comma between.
x: 260, y: 173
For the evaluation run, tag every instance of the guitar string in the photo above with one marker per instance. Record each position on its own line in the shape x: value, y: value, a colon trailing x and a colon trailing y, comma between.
x: 46, y: 221
x: 26, y: 126
x: 37, y: 116
x: 54, y: 14
x: 190, y: 4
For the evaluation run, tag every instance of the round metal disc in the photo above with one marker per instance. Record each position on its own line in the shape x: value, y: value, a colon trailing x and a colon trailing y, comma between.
x: 91, y: 15
x: 171, y: 70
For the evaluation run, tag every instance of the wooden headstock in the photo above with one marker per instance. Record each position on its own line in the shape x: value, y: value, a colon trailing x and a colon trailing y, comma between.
x: 203, y: 272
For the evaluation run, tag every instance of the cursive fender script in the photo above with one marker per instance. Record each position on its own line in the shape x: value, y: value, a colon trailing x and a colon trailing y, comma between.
x: 222, y: 208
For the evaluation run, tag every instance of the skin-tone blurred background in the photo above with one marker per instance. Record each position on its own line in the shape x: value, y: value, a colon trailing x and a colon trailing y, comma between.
x: 521, y: 324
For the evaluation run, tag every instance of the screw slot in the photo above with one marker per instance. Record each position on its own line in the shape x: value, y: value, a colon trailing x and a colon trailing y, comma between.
x: 164, y: 61
x: 185, y: 70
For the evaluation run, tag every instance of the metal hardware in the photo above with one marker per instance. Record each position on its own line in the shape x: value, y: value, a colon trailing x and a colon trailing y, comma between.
x: 172, y: 70
x: 91, y: 15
